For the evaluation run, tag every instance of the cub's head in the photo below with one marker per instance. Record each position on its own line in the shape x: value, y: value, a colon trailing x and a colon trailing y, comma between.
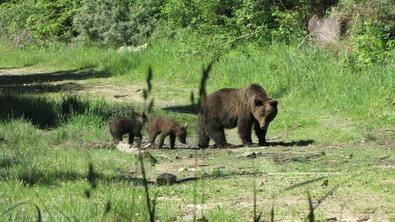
x: 182, y: 134
x: 264, y: 111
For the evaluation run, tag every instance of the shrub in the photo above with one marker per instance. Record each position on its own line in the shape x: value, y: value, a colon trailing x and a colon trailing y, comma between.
x: 121, y: 22
x: 53, y: 20
x: 14, y: 17
x: 44, y: 19
x: 372, y: 44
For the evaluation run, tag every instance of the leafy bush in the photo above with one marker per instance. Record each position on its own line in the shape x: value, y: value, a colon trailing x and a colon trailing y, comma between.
x: 14, y: 17
x: 116, y: 22
x: 372, y: 44
x: 53, y: 20
x: 44, y: 19
x: 226, y: 18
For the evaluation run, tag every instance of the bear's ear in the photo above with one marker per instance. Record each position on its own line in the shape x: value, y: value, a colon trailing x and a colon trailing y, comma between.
x: 273, y: 102
x: 258, y: 102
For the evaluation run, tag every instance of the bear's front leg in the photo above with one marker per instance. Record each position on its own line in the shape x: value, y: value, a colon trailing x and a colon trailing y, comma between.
x: 261, y: 134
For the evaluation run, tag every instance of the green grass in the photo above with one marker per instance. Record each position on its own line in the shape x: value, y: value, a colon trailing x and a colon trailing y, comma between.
x: 323, y: 98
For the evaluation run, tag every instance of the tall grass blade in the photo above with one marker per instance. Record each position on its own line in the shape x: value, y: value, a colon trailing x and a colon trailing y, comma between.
x: 311, y: 216
x: 203, y: 83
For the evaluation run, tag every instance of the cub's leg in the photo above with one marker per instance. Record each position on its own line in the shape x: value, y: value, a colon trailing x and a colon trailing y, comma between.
x: 172, y: 140
x: 117, y: 137
x: 139, y: 138
x: 152, y: 136
x: 162, y: 137
x: 131, y: 138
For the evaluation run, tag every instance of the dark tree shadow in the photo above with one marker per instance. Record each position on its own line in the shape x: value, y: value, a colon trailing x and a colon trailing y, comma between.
x: 37, y: 177
x: 46, y: 113
x: 42, y: 88
x: 39, y: 110
x: 189, y: 109
x: 76, y: 74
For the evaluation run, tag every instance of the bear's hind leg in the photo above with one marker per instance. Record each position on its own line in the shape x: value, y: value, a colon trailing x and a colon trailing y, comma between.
x: 218, y: 135
x: 162, y: 137
x: 244, y: 130
x: 204, y: 139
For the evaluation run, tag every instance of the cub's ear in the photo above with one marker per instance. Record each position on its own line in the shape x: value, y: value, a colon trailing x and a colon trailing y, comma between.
x: 258, y: 102
x: 273, y: 102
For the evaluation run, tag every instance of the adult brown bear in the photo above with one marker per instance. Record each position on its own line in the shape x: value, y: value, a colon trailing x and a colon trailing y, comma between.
x: 228, y: 108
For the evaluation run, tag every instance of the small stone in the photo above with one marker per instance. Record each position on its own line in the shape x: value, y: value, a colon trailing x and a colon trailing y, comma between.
x: 183, y: 169
x: 251, y: 155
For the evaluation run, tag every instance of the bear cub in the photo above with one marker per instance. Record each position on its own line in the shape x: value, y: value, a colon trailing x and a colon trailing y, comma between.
x: 166, y: 127
x: 131, y: 125
x: 247, y: 108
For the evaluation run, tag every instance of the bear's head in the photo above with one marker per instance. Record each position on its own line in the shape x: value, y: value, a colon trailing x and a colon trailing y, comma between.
x: 182, y: 134
x: 264, y: 111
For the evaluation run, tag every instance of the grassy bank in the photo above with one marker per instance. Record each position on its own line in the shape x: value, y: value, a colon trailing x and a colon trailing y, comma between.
x: 347, y: 113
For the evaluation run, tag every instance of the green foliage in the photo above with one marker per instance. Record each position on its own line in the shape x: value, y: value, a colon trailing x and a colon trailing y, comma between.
x: 373, y: 43
x: 14, y: 17
x: 116, y: 22
x: 257, y: 15
x: 222, y: 18
x: 53, y: 20
x: 44, y: 19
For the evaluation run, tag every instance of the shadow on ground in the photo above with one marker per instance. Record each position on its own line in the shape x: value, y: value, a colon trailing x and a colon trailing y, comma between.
x: 75, y: 74
x: 42, y: 88
x: 32, y: 177
x: 189, y: 109
x: 233, y: 146
x: 292, y: 143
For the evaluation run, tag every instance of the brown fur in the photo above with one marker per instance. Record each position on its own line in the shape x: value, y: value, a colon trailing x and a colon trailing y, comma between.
x: 166, y: 127
x: 132, y: 126
x: 228, y: 108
